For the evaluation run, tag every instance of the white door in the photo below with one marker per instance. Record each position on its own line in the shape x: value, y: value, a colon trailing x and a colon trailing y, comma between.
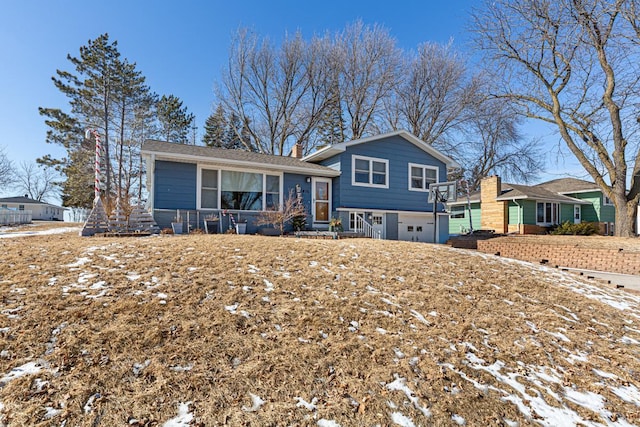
x: 377, y: 222
x: 321, y: 200
x: 576, y: 214
x: 415, y: 228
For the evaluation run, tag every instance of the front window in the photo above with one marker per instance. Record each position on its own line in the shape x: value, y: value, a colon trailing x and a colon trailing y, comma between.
x: 241, y: 191
x: 420, y: 176
x: 247, y: 191
x: 457, y: 212
x: 209, y: 189
x: 272, y: 192
x: 547, y: 213
x: 606, y: 201
x: 370, y: 172
x: 20, y: 207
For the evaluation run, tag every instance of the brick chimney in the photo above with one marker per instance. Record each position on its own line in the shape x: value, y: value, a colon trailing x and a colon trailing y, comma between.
x: 493, y: 214
x: 296, y: 151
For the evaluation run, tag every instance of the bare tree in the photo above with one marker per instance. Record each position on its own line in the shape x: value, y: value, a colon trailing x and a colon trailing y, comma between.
x: 38, y: 182
x: 495, y: 146
x: 368, y: 62
x: 574, y: 64
x: 434, y: 95
x: 7, y: 172
x: 278, y: 217
x: 278, y: 93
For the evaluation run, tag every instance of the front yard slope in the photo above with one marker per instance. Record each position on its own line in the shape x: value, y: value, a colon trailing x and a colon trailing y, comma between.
x: 206, y: 330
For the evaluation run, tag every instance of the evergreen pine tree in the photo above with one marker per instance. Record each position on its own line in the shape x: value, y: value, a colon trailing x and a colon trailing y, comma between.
x: 175, y: 121
x: 215, y: 129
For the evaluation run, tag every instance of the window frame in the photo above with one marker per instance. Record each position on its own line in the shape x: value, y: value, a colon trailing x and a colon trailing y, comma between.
x: 606, y: 201
x: 370, y: 184
x: 219, y: 170
x: 424, y: 176
x: 456, y: 213
x: 554, y: 209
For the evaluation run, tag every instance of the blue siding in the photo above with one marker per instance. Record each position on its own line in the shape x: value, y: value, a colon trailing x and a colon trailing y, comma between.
x: 175, y: 185
x: 399, y: 152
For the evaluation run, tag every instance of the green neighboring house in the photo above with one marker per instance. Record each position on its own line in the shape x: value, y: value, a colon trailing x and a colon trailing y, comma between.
x: 524, y: 209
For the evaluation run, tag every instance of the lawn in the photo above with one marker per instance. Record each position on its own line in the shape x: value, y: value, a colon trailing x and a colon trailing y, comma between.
x: 207, y: 330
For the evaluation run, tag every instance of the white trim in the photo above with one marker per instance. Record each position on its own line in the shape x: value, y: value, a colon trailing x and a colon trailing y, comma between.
x: 424, y: 177
x: 572, y: 200
x: 370, y: 184
x: 558, y: 211
x: 578, y: 191
x: 249, y: 165
x: 604, y: 201
x: 151, y: 181
x: 384, y: 211
x: 313, y: 200
x: 200, y: 168
x: 264, y: 173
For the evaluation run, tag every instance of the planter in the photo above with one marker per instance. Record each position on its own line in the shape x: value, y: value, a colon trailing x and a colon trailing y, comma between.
x: 211, y: 227
x: 176, y: 227
x: 269, y: 231
x: 241, y: 228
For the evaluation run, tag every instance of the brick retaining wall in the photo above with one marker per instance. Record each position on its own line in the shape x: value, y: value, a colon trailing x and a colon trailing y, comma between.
x: 611, y: 260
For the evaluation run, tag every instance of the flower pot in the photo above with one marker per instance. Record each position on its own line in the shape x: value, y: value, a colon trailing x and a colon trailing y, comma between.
x: 241, y: 228
x: 211, y: 227
x: 176, y: 227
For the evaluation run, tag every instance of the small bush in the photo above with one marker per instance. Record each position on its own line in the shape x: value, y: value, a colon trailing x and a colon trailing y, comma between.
x: 569, y: 228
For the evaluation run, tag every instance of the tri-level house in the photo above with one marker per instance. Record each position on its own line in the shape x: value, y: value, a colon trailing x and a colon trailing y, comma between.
x: 379, y: 183
x: 531, y: 209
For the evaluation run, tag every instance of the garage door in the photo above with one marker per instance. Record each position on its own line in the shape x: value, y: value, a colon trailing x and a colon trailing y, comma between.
x: 415, y: 228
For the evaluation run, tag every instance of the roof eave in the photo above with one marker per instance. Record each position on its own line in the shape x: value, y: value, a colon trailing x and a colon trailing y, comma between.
x: 335, y: 149
x: 161, y: 155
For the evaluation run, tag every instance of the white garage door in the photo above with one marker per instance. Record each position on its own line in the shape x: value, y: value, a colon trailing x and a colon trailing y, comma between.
x: 415, y: 228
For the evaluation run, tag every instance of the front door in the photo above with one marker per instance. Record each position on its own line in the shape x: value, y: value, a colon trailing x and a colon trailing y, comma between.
x: 377, y: 222
x: 576, y: 214
x: 321, y: 200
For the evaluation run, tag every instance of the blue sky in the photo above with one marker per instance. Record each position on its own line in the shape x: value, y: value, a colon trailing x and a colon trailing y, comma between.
x: 180, y: 47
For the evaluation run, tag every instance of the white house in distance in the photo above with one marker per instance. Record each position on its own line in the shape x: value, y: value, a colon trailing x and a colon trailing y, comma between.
x: 39, y: 210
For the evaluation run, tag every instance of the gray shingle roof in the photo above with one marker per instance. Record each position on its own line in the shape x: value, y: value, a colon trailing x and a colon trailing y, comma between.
x: 569, y: 185
x: 535, y: 192
x: 234, y: 157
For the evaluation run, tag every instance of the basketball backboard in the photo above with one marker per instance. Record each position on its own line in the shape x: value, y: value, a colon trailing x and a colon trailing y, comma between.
x: 443, y: 192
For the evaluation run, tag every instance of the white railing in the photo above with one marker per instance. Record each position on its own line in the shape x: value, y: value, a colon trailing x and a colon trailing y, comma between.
x: 11, y: 217
x: 362, y: 226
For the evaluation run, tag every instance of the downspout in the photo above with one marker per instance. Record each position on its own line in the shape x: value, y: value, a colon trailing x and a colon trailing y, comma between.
x: 519, y: 215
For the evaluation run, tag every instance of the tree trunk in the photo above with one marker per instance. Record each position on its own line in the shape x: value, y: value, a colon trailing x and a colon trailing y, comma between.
x: 626, y: 218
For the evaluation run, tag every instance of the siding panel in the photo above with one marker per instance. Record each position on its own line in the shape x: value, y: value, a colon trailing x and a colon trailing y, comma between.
x: 399, y: 152
x: 175, y: 185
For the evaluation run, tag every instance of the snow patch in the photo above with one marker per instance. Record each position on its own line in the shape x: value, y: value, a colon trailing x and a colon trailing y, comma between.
x: 183, y: 419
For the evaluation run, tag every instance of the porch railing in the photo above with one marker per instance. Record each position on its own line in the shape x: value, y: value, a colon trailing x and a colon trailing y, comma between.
x: 362, y: 226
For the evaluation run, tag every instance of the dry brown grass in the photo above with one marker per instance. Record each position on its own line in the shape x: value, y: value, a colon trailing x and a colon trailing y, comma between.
x: 148, y: 323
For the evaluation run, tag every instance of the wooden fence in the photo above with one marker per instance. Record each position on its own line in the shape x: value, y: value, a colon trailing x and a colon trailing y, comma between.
x: 11, y: 217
